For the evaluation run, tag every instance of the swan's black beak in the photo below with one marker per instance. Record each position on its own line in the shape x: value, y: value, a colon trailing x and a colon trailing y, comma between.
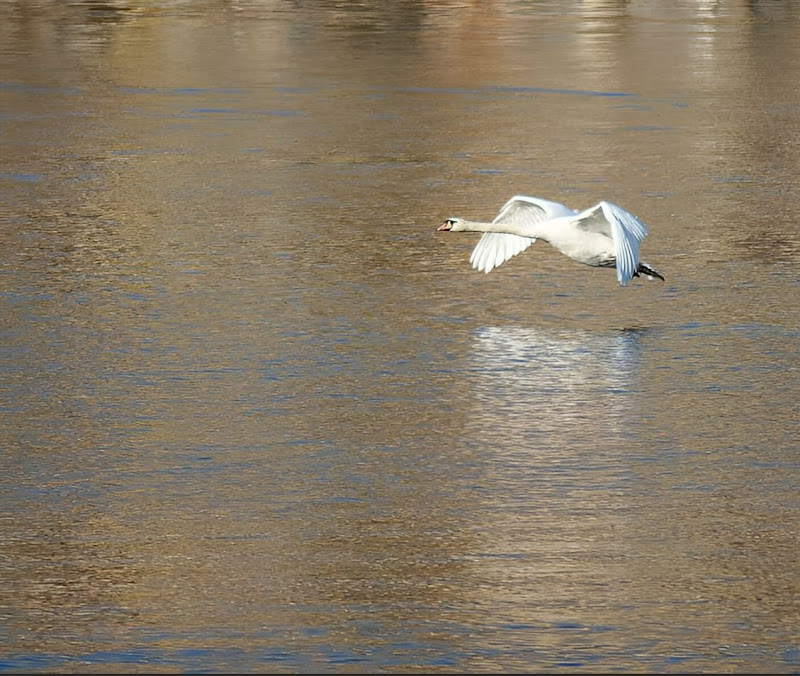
x: 444, y: 226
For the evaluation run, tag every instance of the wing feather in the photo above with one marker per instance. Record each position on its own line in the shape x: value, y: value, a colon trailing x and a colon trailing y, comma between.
x: 625, y: 231
x: 495, y: 248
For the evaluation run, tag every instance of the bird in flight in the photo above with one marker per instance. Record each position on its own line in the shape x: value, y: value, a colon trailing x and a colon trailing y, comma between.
x: 602, y: 236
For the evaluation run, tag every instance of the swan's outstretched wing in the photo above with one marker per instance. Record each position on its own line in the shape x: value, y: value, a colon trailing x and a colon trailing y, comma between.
x: 495, y: 248
x: 624, y: 229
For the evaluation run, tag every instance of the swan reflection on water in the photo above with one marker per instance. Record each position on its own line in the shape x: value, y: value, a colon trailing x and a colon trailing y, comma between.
x: 551, y: 413
x: 568, y: 387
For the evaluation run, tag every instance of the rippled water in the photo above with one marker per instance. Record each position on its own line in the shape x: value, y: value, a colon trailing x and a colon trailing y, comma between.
x: 258, y: 415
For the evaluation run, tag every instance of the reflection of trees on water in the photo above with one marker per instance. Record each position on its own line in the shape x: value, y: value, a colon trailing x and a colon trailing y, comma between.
x: 744, y: 144
x: 728, y: 60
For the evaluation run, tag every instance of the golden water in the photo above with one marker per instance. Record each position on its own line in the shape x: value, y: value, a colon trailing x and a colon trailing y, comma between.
x: 259, y: 416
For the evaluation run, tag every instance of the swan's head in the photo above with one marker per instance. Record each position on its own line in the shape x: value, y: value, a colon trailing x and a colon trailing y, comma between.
x: 454, y: 224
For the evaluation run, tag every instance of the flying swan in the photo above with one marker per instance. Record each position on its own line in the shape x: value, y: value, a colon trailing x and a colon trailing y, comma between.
x: 603, y: 236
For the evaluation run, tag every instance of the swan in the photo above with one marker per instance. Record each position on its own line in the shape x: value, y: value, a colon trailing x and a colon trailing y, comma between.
x: 604, y: 236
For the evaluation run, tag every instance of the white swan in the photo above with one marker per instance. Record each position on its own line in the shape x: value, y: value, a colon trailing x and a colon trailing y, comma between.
x: 604, y: 235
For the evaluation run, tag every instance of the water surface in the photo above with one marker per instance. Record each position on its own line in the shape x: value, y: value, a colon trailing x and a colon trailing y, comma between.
x: 258, y: 415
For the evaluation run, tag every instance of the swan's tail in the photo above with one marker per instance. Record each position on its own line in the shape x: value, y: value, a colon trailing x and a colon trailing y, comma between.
x: 645, y: 269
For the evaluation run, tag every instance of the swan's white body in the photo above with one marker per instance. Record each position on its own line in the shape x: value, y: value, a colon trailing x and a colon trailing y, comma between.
x: 604, y: 235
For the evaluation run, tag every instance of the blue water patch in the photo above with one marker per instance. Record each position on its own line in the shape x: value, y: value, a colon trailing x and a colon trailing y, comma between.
x: 345, y: 657
x: 131, y: 656
x: 214, y: 110
x: 37, y: 89
x: 24, y: 178
x: 294, y: 90
x: 200, y: 90
x: 792, y: 655
x: 137, y: 90
x: 181, y: 91
x: 512, y: 90
x: 276, y: 655
x: 568, y: 625
x: 443, y: 662
x: 278, y: 113
x: 12, y: 663
x: 146, y: 151
x: 238, y: 111
x: 733, y: 179
x: 548, y: 90
x: 647, y: 127
x: 344, y: 500
x: 520, y: 627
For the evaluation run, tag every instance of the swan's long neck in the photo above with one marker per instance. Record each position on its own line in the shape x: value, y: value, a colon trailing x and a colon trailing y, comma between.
x: 505, y: 228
